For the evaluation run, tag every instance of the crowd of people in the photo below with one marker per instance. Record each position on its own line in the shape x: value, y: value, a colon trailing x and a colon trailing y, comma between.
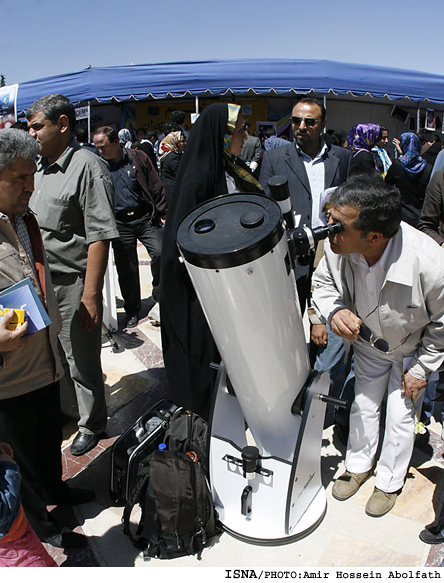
x: 374, y: 292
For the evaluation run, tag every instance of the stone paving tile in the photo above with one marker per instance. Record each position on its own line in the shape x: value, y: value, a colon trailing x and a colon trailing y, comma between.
x: 345, y: 551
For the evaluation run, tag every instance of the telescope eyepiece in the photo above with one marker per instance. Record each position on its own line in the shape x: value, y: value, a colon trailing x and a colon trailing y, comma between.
x: 303, y: 239
x: 336, y: 227
x: 329, y: 230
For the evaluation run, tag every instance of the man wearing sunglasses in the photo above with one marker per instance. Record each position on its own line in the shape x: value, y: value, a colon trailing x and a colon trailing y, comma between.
x: 311, y: 166
x: 380, y: 285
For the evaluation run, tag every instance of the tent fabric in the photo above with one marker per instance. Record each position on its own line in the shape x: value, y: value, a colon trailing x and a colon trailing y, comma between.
x: 122, y: 83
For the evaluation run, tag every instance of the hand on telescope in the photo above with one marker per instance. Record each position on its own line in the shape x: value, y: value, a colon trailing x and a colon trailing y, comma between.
x: 346, y: 324
x: 319, y: 334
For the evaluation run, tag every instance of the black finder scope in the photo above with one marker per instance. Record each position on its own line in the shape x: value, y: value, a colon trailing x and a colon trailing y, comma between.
x: 303, y: 239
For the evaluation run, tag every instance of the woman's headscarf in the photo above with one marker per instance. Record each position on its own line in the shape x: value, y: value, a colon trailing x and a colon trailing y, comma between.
x: 362, y: 136
x: 411, y: 161
x: 125, y: 139
x: 236, y: 167
x: 201, y: 174
x: 233, y: 114
x: 187, y: 343
x: 170, y: 143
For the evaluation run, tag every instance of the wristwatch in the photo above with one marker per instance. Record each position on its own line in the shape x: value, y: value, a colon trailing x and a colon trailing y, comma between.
x: 313, y: 317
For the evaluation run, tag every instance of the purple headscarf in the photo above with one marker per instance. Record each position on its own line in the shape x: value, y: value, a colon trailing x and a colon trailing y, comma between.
x: 362, y: 136
x: 411, y: 160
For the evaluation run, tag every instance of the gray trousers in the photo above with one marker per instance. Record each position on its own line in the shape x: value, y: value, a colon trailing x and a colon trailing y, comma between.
x: 81, y: 358
x: 378, y: 375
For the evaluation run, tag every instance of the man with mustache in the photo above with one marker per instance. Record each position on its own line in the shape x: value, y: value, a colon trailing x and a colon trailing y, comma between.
x: 311, y: 166
x: 74, y: 204
x: 30, y: 368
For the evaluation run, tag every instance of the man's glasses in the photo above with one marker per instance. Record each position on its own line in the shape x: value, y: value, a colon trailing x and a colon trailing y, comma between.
x: 309, y: 121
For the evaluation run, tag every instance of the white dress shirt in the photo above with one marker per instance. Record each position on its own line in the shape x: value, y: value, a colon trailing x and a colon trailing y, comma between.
x: 316, y: 177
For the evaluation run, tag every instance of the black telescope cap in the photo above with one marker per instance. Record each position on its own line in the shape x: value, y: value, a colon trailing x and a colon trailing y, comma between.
x: 279, y: 187
x: 230, y: 230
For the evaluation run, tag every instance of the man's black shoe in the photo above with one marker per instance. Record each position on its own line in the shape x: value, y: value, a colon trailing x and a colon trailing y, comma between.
x: 66, y: 539
x: 132, y: 322
x: 83, y: 443
x: 432, y: 535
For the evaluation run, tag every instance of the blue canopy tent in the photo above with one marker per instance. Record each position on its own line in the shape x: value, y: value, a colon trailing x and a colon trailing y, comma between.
x: 278, y: 76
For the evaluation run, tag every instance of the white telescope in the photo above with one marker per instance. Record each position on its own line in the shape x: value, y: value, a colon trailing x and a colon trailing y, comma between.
x: 269, y: 406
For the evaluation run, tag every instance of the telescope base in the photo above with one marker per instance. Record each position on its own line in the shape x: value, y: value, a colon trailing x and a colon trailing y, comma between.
x: 264, y: 522
x: 284, y: 499
x: 304, y: 528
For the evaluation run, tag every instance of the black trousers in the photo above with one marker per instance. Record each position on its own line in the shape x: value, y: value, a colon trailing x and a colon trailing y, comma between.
x: 127, y: 263
x: 31, y: 424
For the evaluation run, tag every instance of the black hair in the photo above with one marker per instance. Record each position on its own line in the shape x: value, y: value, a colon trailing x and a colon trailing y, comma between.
x: 338, y: 137
x: 178, y: 117
x: 378, y: 203
x: 270, y: 131
x: 170, y: 127
x: 109, y: 132
x: 53, y: 106
x: 313, y: 101
x: 381, y: 129
x: 81, y: 134
x: 20, y: 125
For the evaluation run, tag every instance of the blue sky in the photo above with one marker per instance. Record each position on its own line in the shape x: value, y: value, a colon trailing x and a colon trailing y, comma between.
x: 40, y: 38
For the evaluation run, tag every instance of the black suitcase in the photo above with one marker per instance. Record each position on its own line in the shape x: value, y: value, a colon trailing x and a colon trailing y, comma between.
x: 135, y: 444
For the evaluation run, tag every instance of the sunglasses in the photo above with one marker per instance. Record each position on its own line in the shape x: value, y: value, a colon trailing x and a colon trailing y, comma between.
x: 309, y: 121
x: 379, y: 343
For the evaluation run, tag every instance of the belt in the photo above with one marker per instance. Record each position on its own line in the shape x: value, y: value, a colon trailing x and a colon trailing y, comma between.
x: 128, y: 215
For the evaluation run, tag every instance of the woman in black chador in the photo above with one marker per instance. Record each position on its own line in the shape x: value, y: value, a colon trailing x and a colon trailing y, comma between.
x: 209, y: 168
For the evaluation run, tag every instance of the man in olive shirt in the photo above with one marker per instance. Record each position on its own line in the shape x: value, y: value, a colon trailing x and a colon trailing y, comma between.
x: 74, y: 204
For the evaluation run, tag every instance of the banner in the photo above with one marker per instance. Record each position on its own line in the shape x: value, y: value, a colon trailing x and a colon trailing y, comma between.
x: 82, y: 112
x: 8, y: 105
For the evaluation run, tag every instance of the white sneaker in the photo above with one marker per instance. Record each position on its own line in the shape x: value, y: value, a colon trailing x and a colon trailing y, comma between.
x: 154, y: 315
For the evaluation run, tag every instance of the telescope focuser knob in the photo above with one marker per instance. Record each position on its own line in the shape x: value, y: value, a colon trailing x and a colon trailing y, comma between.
x: 250, y: 457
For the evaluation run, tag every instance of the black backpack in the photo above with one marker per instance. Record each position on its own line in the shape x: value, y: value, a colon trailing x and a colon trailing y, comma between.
x: 177, y: 511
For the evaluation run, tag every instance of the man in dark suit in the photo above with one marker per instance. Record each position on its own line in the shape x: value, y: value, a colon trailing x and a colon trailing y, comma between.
x: 252, y: 149
x: 311, y: 167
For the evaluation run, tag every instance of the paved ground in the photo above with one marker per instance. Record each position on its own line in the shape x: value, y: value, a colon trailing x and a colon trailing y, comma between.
x: 347, y: 537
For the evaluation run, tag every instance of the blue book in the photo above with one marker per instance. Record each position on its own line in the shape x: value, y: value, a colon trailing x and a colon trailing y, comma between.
x: 22, y: 295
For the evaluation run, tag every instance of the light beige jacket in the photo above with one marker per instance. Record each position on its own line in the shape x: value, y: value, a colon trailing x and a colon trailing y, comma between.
x: 37, y: 364
x: 411, y: 301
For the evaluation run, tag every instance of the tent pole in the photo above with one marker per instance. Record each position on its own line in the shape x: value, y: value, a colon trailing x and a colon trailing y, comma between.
x: 89, y: 122
x: 325, y: 107
x: 418, y: 119
x: 197, y: 104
